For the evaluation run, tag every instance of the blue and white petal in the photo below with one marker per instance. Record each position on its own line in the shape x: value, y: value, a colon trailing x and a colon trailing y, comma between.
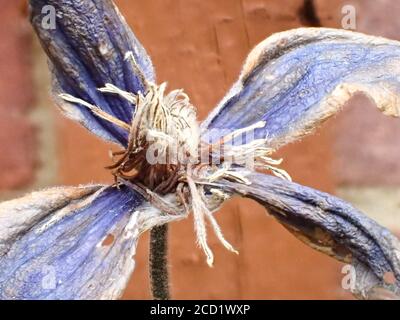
x: 296, y: 79
x: 332, y: 226
x: 87, y: 49
x: 52, y: 242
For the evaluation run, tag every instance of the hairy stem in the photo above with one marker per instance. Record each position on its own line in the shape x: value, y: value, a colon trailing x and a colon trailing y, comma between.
x: 159, y: 279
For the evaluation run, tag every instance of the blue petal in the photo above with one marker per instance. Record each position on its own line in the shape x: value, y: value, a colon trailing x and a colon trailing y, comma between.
x: 332, y: 226
x: 296, y: 79
x: 87, y: 50
x: 51, y: 243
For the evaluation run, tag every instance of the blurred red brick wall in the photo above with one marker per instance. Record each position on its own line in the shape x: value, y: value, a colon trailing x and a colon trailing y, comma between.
x: 197, y: 45
x: 17, y: 136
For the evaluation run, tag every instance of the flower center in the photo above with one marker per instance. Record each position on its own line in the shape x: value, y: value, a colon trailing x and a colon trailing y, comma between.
x: 166, y: 155
x: 163, y: 139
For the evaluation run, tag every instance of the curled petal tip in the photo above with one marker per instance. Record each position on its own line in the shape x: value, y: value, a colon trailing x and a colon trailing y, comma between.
x: 297, y: 79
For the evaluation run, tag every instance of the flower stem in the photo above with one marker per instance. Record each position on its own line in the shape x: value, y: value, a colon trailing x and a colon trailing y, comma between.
x: 159, y: 279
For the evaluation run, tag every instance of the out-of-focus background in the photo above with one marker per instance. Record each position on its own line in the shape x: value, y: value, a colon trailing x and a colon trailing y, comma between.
x: 199, y: 45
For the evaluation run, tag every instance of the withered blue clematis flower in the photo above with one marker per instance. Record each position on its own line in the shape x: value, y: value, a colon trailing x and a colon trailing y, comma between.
x: 103, y: 78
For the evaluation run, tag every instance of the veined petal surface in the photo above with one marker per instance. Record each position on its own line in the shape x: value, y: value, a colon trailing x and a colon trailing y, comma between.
x: 86, y: 48
x: 332, y: 226
x: 295, y: 80
x: 71, y: 242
